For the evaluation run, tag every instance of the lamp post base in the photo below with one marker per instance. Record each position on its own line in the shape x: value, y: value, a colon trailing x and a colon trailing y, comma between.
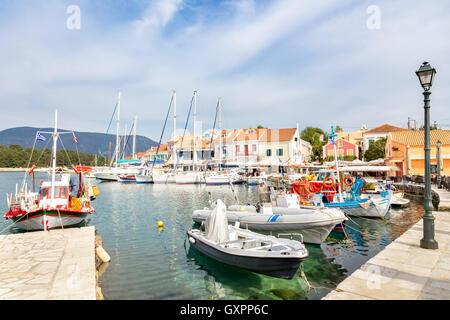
x: 429, y: 244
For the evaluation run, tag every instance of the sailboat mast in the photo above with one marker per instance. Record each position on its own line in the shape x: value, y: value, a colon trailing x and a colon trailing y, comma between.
x: 220, y: 134
x: 134, y: 138
x: 55, y: 140
x: 117, y: 134
x: 194, y: 159
x: 174, y: 123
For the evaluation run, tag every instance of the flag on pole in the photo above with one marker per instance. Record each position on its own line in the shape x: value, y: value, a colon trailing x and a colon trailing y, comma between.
x: 74, y: 138
x: 40, y: 137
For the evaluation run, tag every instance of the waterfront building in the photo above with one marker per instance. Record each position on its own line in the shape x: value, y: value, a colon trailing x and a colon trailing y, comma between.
x: 345, y: 150
x: 378, y: 133
x: 356, y: 138
x: 150, y: 154
x: 405, y: 150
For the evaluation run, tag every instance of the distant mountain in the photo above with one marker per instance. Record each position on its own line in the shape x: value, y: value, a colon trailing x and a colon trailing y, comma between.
x: 88, y: 142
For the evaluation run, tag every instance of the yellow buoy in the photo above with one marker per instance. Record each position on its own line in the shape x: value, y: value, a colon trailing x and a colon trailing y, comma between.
x: 160, y: 224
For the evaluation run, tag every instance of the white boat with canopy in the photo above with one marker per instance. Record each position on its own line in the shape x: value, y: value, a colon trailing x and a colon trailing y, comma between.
x: 276, y: 257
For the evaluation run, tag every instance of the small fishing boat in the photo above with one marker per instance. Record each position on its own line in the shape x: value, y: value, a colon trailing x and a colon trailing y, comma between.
x: 144, y: 176
x: 126, y: 178
x: 58, y: 203
x: 276, y: 257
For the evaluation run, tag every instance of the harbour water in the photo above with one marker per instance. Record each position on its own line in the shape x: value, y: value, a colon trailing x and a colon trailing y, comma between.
x: 148, y: 263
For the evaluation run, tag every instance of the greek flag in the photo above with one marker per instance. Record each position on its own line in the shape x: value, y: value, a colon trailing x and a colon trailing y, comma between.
x: 40, y: 137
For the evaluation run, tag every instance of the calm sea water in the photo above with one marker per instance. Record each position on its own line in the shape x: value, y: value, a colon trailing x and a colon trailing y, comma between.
x: 147, y: 263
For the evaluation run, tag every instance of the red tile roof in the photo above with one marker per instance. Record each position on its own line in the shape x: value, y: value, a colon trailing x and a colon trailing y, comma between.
x: 385, y: 128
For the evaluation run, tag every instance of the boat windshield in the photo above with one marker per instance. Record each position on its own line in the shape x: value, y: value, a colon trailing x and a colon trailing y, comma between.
x: 60, y: 192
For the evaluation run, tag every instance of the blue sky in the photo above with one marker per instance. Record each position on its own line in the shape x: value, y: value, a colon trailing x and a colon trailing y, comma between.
x: 273, y: 62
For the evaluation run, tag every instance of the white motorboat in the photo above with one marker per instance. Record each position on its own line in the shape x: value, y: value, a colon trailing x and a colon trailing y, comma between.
x: 245, y: 249
x: 313, y: 223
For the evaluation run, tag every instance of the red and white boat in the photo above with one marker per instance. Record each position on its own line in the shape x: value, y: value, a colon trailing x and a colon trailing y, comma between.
x: 58, y: 203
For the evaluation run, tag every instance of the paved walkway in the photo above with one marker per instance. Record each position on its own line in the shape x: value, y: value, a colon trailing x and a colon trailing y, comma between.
x: 403, y: 270
x: 58, y: 264
x: 444, y: 198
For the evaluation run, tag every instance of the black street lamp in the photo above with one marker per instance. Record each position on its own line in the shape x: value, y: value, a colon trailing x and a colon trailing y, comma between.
x: 438, y: 159
x: 426, y: 76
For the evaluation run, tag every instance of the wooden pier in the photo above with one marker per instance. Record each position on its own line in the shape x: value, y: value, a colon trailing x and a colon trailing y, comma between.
x: 47, y: 265
x: 403, y: 270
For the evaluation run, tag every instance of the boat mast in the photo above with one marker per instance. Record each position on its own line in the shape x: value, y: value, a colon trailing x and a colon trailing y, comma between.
x: 220, y: 134
x: 194, y: 158
x: 133, y: 156
x: 117, y: 134
x: 55, y: 140
x: 174, y: 124
x: 333, y: 136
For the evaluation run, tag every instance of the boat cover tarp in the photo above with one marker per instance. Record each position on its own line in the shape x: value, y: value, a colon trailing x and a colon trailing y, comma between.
x: 305, y: 189
x: 216, y: 225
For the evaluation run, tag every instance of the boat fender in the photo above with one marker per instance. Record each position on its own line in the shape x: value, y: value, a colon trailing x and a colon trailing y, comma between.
x: 191, y: 240
x: 160, y: 224
x: 102, y: 254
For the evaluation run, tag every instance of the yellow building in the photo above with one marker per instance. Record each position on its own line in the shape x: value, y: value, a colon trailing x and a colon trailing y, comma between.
x: 405, y: 149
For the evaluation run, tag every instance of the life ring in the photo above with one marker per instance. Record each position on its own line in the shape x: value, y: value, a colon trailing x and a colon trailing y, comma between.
x: 348, y: 181
x: 329, y: 182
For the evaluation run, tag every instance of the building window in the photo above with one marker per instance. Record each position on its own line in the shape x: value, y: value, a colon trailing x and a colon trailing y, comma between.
x: 350, y: 152
x: 237, y: 149
x: 269, y: 152
x: 330, y: 152
x: 340, y: 143
x: 254, y: 148
x: 280, y: 152
x: 296, y: 139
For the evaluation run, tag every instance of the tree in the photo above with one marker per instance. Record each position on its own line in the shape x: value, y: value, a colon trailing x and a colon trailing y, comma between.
x: 338, y: 129
x: 317, y: 138
x: 260, y: 127
x: 376, y: 150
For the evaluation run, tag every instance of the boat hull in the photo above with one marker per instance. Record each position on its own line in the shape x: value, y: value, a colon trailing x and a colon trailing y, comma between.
x: 190, y: 178
x: 284, y: 268
x: 35, y: 220
x: 140, y: 179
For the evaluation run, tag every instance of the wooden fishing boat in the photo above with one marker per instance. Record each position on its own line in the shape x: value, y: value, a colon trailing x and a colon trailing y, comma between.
x: 58, y: 203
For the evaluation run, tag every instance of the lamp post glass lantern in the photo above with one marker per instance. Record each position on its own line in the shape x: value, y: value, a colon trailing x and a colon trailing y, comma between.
x: 426, y: 76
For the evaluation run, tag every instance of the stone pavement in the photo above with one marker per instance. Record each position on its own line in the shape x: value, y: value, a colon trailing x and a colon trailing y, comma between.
x: 403, y: 270
x: 444, y: 198
x: 58, y: 264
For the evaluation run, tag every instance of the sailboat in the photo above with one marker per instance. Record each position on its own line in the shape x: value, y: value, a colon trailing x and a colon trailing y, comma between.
x: 110, y: 174
x: 219, y: 177
x: 58, y: 203
x: 195, y: 176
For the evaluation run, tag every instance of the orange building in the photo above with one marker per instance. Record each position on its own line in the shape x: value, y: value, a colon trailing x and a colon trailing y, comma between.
x: 405, y: 149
